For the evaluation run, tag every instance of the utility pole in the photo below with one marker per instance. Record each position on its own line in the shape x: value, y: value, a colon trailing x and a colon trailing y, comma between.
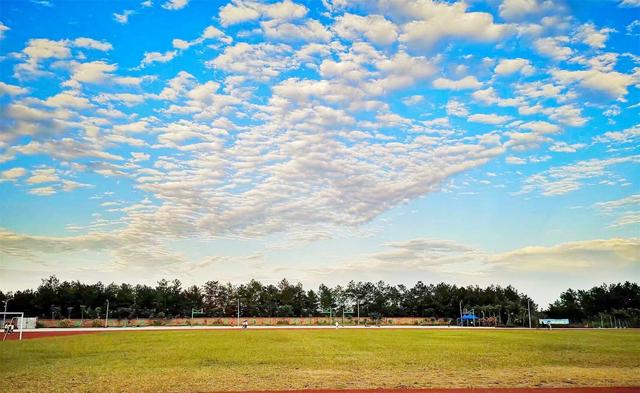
x: 358, y: 312
x: 238, y: 319
x: 106, y: 316
x: 529, y: 309
x: 460, y: 312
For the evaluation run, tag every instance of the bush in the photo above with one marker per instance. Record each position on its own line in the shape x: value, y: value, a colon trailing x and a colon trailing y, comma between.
x: 97, y: 323
x: 282, y: 322
x: 65, y: 323
x: 40, y: 325
x: 157, y: 322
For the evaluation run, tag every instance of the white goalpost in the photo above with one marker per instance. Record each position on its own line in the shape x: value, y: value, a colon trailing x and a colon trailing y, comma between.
x: 10, y: 322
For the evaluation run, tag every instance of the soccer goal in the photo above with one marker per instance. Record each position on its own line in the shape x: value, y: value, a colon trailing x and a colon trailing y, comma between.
x: 12, y: 322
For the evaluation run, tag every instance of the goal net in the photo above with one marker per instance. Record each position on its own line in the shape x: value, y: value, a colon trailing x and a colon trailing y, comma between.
x: 12, y: 323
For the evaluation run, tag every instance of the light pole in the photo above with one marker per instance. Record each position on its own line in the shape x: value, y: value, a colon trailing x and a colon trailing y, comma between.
x: 460, y: 312
x: 529, y: 309
x: 4, y: 316
x: 238, y: 320
x: 106, y: 316
x: 82, y: 307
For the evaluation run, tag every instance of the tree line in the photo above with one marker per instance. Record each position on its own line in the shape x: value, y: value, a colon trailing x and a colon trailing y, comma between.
x: 57, y: 299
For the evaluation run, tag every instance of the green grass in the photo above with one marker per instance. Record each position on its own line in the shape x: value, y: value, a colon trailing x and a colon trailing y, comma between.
x: 178, y: 361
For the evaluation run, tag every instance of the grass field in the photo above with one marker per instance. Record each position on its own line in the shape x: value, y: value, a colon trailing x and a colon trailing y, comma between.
x: 178, y: 361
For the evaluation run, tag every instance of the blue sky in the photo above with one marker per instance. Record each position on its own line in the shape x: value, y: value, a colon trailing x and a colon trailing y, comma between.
x: 322, y: 141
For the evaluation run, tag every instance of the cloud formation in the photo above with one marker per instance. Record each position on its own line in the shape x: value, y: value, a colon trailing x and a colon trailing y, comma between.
x: 305, y: 122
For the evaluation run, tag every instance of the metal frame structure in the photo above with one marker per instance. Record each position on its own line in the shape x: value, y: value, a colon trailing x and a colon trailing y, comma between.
x: 17, y: 315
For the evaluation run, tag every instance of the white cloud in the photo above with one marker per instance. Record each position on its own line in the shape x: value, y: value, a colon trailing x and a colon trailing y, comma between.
x: 375, y: 28
x: 633, y: 28
x: 625, y: 210
x: 413, y: 100
x: 445, y: 256
x: 309, y: 31
x: 232, y: 14
x: 262, y: 61
x: 140, y: 156
x: 174, y: 5
x: 211, y: 32
x: 244, y: 11
x: 456, y: 108
x: 612, y: 83
x: 568, y: 257
x: 12, y: 90
x: 565, y: 179
x: 208, y: 33
x: 629, y: 3
x: 68, y: 99
x: 593, y: 37
x: 42, y: 191
x: 632, y: 201
x: 540, y: 127
x: 489, y: 118
x: 436, y: 21
x: 37, y: 50
x: 92, y: 72
x: 628, y: 135
x: 3, y: 29
x: 123, y: 18
x: 513, y: 160
x: 564, y: 147
x: 554, y: 47
x: 45, y: 175
x: 157, y: 57
x: 511, y: 66
x: 90, y: 43
x: 521, y: 9
x: 468, y: 82
x: 180, y: 44
x: 12, y: 174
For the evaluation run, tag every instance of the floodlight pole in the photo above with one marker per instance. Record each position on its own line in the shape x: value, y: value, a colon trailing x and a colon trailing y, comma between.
x: 6, y: 301
x: 238, y: 321
x: 106, y: 317
x: 460, y: 312
x: 529, y: 309
x: 358, y: 312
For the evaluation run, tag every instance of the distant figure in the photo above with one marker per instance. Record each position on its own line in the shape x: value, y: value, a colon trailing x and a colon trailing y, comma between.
x: 245, y: 324
x: 6, y: 327
x: 337, y: 325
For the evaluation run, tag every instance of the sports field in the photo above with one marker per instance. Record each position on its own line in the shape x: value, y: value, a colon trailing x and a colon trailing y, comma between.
x: 207, y: 361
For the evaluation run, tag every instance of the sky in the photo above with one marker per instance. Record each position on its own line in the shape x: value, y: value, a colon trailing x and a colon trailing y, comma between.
x: 473, y: 142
